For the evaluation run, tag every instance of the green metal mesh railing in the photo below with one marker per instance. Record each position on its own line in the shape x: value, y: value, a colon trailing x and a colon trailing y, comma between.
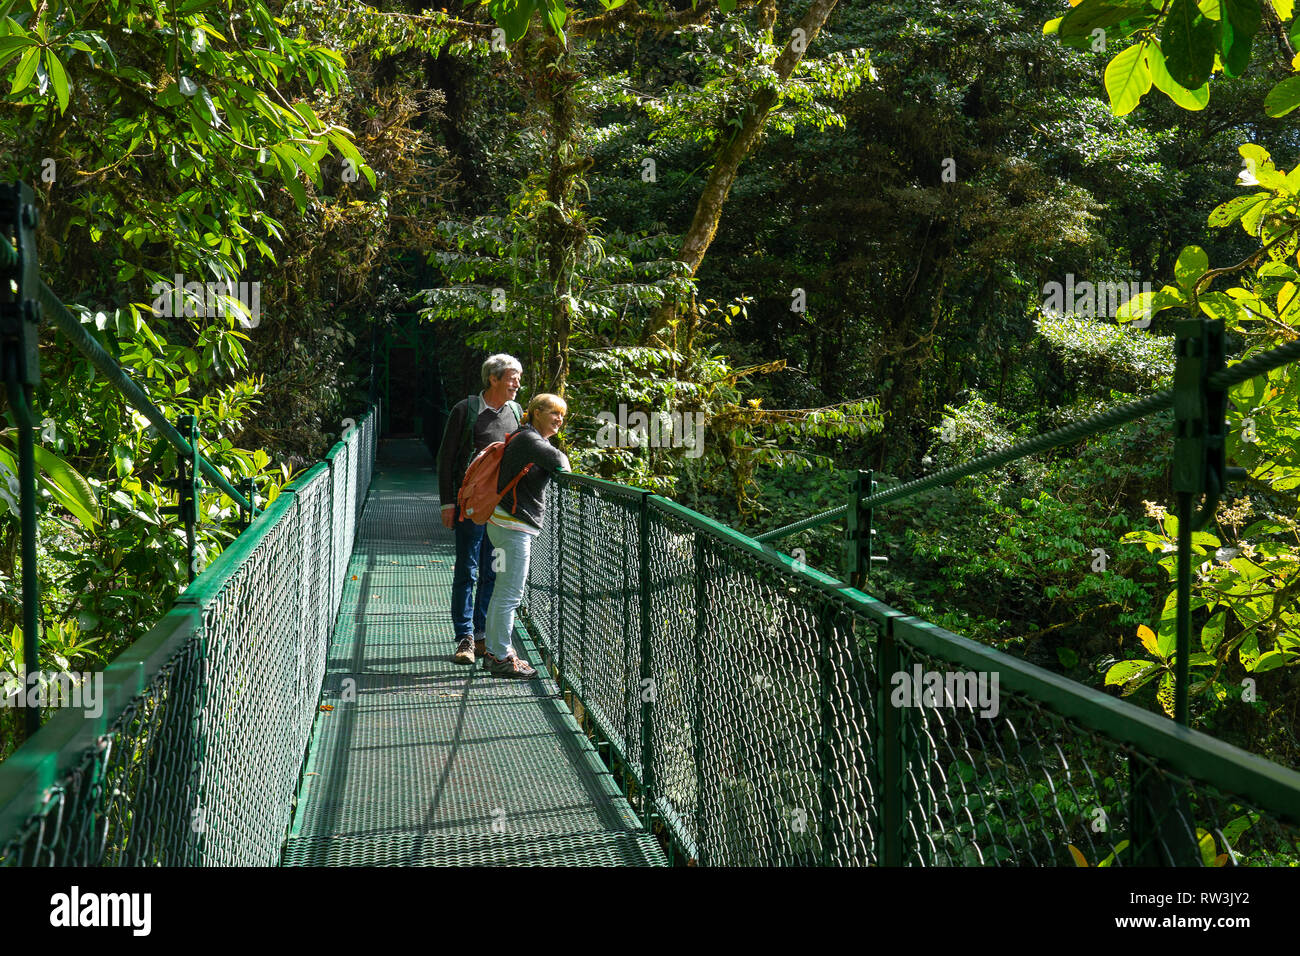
x: 764, y: 713
x: 197, y: 754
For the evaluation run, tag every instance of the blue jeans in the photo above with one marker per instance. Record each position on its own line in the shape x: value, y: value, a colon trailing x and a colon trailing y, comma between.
x: 473, y: 566
x: 509, y: 592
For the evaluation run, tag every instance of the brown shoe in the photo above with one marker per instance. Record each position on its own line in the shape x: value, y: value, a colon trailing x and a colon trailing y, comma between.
x: 480, y: 648
x: 510, y: 667
x: 464, y: 651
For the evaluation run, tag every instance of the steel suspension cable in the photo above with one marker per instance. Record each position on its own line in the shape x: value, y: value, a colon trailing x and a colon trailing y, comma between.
x: 115, y: 374
x: 1104, y: 421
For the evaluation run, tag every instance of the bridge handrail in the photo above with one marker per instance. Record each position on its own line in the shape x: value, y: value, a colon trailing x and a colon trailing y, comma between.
x: 627, y: 587
x: 161, y: 745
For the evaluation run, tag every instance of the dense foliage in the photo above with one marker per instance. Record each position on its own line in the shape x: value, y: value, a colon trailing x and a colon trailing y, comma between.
x: 838, y: 233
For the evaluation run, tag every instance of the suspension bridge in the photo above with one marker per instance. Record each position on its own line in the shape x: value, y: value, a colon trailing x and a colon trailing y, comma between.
x: 705, y: 700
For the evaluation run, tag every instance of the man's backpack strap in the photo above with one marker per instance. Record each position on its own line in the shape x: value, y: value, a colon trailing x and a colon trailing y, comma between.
x: 473, y: 407
x: 519, y: 412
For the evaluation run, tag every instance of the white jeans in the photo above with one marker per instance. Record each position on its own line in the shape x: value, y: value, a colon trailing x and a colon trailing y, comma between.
x: 510, y: 557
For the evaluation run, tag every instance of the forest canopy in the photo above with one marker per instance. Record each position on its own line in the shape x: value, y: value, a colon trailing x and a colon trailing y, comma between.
x: 888, y: 236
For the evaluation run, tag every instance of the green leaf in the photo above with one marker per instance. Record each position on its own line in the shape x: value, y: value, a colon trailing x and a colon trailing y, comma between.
x: 1206, y: 842
x: 11, y: 46
x: 1234, y: 209
x: 1120, y: 847
x: 1283, y: 98
x: 555, y: 15
x: 1098, y: 14
x: 1187, y: 99
x: 726, y: 6
x: 513, y: 17
x: 59, y: 77
x: 1241, y: 22
x: 1218, y: 306
x: 1188, y: 42
x: 69, y: 488
x: 26, y: 70
x: 1127, y: 79
x: 124, y: 461
x: 1191, y: 265
x: 1165, y: 694
x: 1125, y: 671
x: 1271, y: 661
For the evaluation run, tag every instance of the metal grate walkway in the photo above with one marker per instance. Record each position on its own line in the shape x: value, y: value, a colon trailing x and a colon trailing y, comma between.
x: 423, y: 762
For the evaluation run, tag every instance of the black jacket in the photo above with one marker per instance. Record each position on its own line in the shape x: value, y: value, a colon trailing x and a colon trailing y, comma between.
x: 527, y: 501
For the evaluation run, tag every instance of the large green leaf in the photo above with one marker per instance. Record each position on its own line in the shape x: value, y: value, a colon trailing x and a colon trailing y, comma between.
x: 1125, y: 671
x: 11, y: 46
x: 59, y: 77
x: 1283, y: 98
x: 26, y: 70
x: 1098, y: 15
x: 555, y: 14
x: 1241, y: 21
x: 1127, y: 79
x: 1192, y: 263
x: 1187, y: 99
x: 68, y: 486
x: 1234, y: 209
x: 65, y: 484
x: 513, y: 16
x: 1189, y: 41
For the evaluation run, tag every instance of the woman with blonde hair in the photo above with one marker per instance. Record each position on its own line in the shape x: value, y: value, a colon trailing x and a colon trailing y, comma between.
x: 517, y: 521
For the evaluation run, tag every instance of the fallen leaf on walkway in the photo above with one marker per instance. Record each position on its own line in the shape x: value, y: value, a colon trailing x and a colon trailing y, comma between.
x: 326, y: 706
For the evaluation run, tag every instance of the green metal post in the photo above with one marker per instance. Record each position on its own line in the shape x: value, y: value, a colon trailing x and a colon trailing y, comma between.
x: 190, y: 425
x: 825, y: 629
x: 1160, y: 812
x: 582, y: 593
x: 20, y: 314
x: 250, y: 490
x: 631, y: 690
x: 558, y: 597
x: 866, y: 480
x: 858, y: 532
x: 889, y: 752
x: 647, y: 712
x: 187, y: 491
x: 1183, y: 645
x: 1199, y: 467
x: 698, y: 730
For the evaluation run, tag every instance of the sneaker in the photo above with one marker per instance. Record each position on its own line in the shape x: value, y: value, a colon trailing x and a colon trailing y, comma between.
x: 510, y: 667
x: 464, y: 652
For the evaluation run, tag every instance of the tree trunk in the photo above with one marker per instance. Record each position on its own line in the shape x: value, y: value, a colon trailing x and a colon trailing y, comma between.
x: 708, y: 211
x: 562, y: 230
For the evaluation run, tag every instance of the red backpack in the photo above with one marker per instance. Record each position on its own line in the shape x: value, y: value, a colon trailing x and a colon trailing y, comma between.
x: 478, y: 496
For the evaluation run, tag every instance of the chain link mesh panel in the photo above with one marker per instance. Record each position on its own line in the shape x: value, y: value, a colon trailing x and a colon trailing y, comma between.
x: 996, y: 777
x: 773, y: 717
x: 200, y: 766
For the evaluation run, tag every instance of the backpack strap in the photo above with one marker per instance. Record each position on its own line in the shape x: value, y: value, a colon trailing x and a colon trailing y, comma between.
x: 519, y: 412
x: 515, y: 480
x: 514, y: 507
x: 473, y: 408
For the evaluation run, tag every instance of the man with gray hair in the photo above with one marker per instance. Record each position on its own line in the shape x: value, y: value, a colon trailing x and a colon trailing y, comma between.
x: 476, y: 422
